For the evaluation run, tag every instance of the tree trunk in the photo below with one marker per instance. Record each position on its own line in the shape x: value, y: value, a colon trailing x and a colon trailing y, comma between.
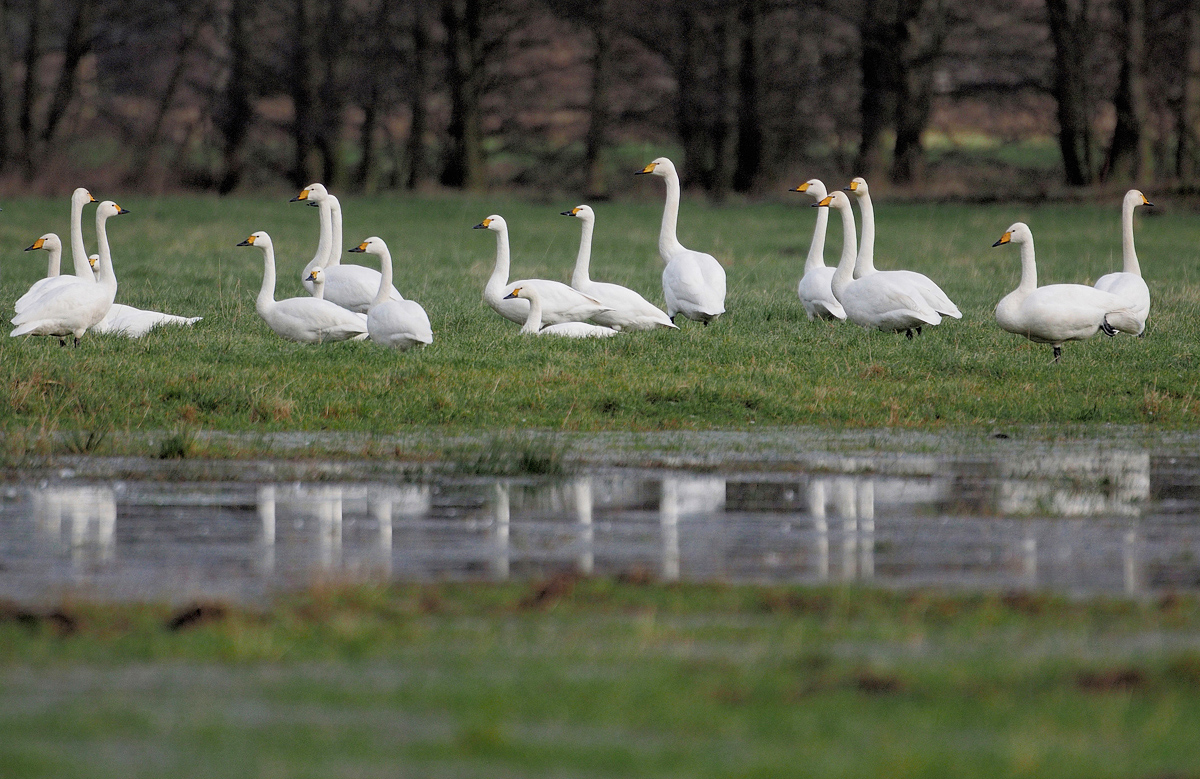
x: 414, y: 151
x: 598, y: 119
x: 464, y: 161
x: 78, y: 43
x: 331, y: 103
x: 235, y: 114
x: 1071, y: 33
x: 749, y: 123
x: 724, y: 129
x: 878, y: 37
x: 364, y: 177
x: 924, y: 25
x: 304, y: 94
x: 1128, y: 151
x: 695, y: 169
x: 5, y: 87
x: 29, y: 89
x: 1188, y: 111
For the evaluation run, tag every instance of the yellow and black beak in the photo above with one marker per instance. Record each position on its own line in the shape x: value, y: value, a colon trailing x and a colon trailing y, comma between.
x: 39, y: 243
x: 852, y: 188
x: 302, y: 196
x: 91, y: 198
x: 483, y: 225
x: 512, y: 294
x: 824, y: 203
x: 574, y: 211
x: 249, y: 241
x: 802, y: 188
x: 121, y: 210
x: 1146, y: 202
x: 1006, y: 238
x: 648, y: 169
x: 93, y: 261
x: 312, y: 276
x: 362, y: 247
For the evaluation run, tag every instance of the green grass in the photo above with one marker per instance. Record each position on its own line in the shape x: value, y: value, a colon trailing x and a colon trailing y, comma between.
x: 597, y: 678
x: 762, y: 364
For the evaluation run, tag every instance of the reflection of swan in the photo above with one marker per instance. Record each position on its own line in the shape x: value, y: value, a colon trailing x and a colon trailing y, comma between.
x: 814, y: 290
x: 1128, y: 284
x: 1057, y: 313
x: 306, y: 320
x: 560, y: 303
x: 397, y: 323
x: 816, y: 508
x: 683, y: 497
x: 854, y: 501
x: 587, y: 533
x: 533, y: 325
x: 90, y: 514
x: 500, y: 530
x: 630, y: 311
x: 1075, y: 485
x: 266, y: 515
x: 693, y: 282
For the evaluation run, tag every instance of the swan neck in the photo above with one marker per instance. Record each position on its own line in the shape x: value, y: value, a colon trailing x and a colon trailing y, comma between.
x: 534, y: 322
x: 582, y: 276
x: 866, y: 251
x: 79, y: 257
x: 668, y: 241
x: 54, y: 264
x: 385, y: 277
x: 266, y: 294
x: 500, y: 273
x: 1128, y: 254
x: 324, y: 241
x: 108, y: 276
x: 845, y: 269
x: 1029, y: 279
x: 335, y: 246
x: 816, y: 250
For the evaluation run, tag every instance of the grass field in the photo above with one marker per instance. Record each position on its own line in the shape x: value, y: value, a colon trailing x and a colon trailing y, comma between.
x: 605, y: 679
x: 762, y: 364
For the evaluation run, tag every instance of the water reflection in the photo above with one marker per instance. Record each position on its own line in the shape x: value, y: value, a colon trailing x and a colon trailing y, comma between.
x: 1081, y: 523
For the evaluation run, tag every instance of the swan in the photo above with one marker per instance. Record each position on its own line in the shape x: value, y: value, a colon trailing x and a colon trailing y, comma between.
x: 815, y: 292
x: 533, y: 325
x: 398, y: 323
x: 350, y: 286
x: 133, y: 322
x: 316, y: 279
x: 877, y: 300
x: 1058, y: 312
x: 1128, y: 284
x: 560, y: 303
x: 72, y: 309
x: 693, y: 282
x: 79, y: 198
x: 307, y: 320
x: 630, y: 311
x: 865, y: 264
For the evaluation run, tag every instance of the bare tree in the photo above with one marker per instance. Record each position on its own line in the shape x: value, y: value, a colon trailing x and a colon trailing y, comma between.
x: 1071, y: 31
x: 463, y: 163
x: 1128, y: 149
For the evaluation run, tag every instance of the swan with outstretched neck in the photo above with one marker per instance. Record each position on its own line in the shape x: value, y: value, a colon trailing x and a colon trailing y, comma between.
x: 865, y: 264
x: 815, y: 291
x: 693, y: 282
x: 400, y: 324
x: 874, y: 301
x: 1057, y: 313
x: 560, y: 303
x: 630, y: 311
x: 71, y: 310
x: 306, y: 320
x: 533, y: 324
x: 1128, y: 284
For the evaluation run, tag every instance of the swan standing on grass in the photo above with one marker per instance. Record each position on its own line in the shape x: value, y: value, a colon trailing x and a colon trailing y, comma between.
x: 876, y: 300
x: 1128, y: 284
x: 1057, y: 312
x: 349, y: 286
x: 71, y: 310
x: 83, y: 271
x: 630, y: 311
x: 400, y: 324
x: 307, y: 320
x: 693, y: 282
x: 865, y: 265
x: 816, y: 294
x: 533, y: 324
x: 559, y: 302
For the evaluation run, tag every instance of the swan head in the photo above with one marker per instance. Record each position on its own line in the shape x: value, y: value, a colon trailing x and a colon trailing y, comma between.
x: 525, y: 293
x: 582, y: 212
x: 94, y: 262
x: 814, y: 188
x: 50, y: 242
x: 1018, y: 233
x: 373, y: 245
x: 312, y: 194
x: 858, y: 185
x: 316, y: 276
x: 109, y: 208
x: 836, y: 199
x: 81, y: 197
x: 1135, y: 198
x: 659, y: 167
x: 259, y: 239
x: 495, y: 223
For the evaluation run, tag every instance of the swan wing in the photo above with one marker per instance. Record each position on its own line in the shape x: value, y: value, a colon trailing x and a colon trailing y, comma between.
x: 354, y: 286
x: 560, y: 303
x: 136, y: 322
x: 309, y: 320
x: 1131, y: 289
x: 578, y: 330
x: 72, y: 306
x: 630, y: 311
x: 694, y: 285
x: 816, y: 294
x: 930, y: 292
x: 886, y: 303
x: 400, y: 324
x: 44, y: 286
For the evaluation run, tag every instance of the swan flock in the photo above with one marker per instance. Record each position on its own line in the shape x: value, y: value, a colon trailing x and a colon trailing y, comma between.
x: 349, y: 301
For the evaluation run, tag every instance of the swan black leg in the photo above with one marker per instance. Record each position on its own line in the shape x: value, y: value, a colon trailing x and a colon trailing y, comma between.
x: 62, y: 341
x: 1057, y: 353
x: 918, y: 329
x: 908, y: 334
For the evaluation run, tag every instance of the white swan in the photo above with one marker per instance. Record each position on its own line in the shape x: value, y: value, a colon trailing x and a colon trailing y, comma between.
x: 350, y: 286
x: 79, y: 198
x: 401, y: 324
x: 1057, y: 313
x: 865, y: 264
x: 816, y: 294
x: 560, y: 303
x: 71, y: 310
x: 133, y: 322
x: 1128, y: 284
x: 693, y: 282
x: 630, y: 311
x: 306, y: 320
x: 875, y: 300
x: 533, y: 324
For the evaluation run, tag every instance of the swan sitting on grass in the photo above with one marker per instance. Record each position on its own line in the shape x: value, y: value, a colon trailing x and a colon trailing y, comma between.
x: 816, y: 294
x: 401, y: 324
x: 1129, y: 284
x: 134, y: 322
x: 533, y: 324
x: 306, y: 320
x: 1057, y: 313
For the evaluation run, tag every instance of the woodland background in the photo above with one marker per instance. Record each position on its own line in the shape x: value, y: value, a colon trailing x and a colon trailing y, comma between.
x: 976, y: 99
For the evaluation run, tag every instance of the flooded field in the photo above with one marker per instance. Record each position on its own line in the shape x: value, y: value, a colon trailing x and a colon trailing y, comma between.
x: 1124, y: 522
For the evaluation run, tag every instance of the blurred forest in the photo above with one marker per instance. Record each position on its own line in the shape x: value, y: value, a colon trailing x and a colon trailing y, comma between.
x: 981, y: 99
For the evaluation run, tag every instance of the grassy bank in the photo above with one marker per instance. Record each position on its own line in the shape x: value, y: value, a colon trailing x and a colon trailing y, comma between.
x: 762, y: 364
x: 602, y: 678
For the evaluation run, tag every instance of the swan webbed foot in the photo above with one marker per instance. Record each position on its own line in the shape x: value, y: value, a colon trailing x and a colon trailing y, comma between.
x: 908, y: 334
x: 1057, y: 353
x: 62, y: 341
x: 1108, y: 329
x: 918, y: 329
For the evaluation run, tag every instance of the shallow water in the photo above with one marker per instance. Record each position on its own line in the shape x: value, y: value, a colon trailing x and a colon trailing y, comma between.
x: 1075, y: 522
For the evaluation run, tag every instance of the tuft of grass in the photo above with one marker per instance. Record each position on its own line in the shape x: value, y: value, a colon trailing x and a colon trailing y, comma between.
x: 513, y: 456
x: 177, y: 446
